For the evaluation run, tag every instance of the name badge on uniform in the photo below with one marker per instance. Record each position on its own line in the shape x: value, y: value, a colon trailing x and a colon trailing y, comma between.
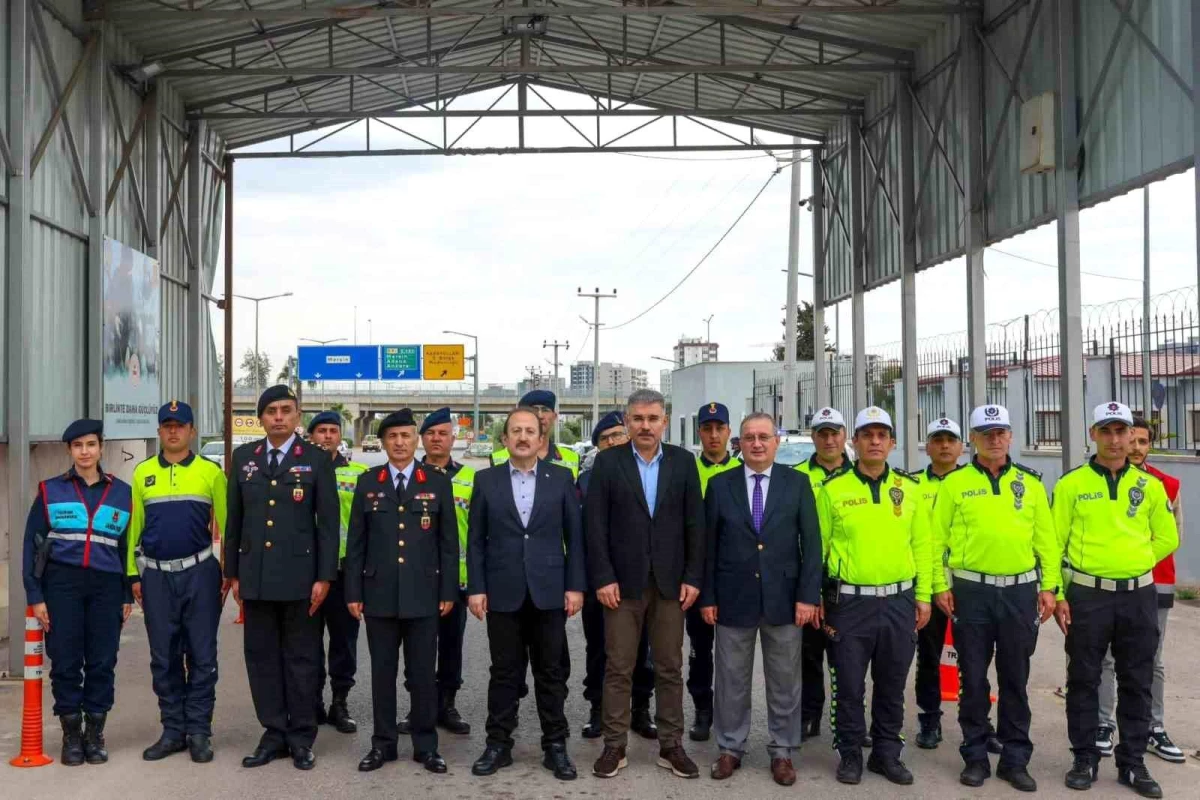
x: 1018, y: 490
x: 298, y: 494
x: 426, y: 523
x: 897, y: 496
x: 1137, y: 494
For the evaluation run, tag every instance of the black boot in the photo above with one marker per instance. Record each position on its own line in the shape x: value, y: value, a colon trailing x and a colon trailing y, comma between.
x: 642, y: 723
x: 700, y: 729
x: 595, y: 724
x: 93, y: 738
x: 339, y: 715
x: 72, y: 747
x: 930, y: 736
x: 448, y: 716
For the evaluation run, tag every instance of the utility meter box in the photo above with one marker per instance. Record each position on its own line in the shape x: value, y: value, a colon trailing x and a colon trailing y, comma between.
x: 1037, y: 134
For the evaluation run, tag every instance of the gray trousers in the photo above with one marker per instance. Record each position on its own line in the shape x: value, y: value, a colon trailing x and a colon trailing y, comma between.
x: 1108, y: 683
x: 734, y: 679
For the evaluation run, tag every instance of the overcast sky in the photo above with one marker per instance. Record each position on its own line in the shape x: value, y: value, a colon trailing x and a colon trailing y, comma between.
x: 497, y: 245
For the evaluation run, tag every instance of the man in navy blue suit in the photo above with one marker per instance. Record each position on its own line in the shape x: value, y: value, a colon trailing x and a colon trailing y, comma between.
x: 526, y: 575
x: 763, y: 579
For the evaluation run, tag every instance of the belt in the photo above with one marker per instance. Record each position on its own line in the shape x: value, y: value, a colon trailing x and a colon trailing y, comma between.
x: 887, y: 590
x: 997, y: 580
x: 1108, y: 584
x: 175, y: 565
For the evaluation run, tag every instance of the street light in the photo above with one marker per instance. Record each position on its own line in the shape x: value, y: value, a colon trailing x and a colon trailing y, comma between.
x: 256, y: 301
x: 322, y: 343
x: 474, y: 373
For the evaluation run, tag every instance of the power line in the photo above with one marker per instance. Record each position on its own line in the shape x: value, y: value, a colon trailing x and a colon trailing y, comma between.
x: 1055, y: 266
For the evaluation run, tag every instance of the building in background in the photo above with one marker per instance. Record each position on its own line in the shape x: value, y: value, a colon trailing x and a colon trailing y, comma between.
x: 694, y: 350
x: 616, y: 380
x: 733, y: 383
x: 543, y: 382
x: 664, y: 382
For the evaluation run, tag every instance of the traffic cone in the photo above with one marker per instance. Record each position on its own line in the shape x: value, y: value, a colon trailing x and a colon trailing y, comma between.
x: 948, y: 669
x: 31, y: 718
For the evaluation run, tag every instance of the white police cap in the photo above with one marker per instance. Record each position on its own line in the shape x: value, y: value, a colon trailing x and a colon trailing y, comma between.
x: 944, y: 425
x: 1111, y: 412
x: 828, y: 418
x: 872, y: 415
x: 990, y: 417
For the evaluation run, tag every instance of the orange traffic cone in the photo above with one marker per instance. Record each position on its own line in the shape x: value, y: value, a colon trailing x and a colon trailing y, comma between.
x: 31, y: 718
x: 948, y: 669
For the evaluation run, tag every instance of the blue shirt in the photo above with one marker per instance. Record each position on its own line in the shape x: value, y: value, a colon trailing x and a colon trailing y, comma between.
x: 406, y: 472
x: 524, y: 487
x: 648, y: 470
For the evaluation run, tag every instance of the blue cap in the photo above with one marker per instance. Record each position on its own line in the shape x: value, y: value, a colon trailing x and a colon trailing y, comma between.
x: 397, y: 419
x: 612, y: 419
x: 539, y: 397
x: 175, y: 411
x: 325, y: 418
x: 83, y: 427
x: 273, y: 395
x: 439, y: 417
x: 713, y: 412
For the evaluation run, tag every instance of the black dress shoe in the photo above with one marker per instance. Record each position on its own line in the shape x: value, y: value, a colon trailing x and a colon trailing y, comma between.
x: 374, y: 759
x: 642, y: 723
x: 200, y: 747
x: 595, y: 725
x: 164, y: 747
x: 263, y: 755
x: 494, y: 759
x: 700, y: 729
x: 303, y: 758
x: 557, y: 761
x: 432, y: 761
x: 403, y: 726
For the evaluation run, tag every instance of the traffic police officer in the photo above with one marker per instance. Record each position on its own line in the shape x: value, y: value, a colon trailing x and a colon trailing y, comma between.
x: 992, y: 528
x: 281, y: 553
x: 76, y: 547
x: 875, y: 532
x: 325, y: 430
x: 714, y: 458
x: 544, y: 402
x: 827, y: 460
x: 178, y: 504
x: 402, y: 588
x: 1115, y: 523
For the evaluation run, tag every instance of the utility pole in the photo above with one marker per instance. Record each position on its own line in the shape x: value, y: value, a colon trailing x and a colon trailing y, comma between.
x: 708, y: 328
x: 556, y: 344
x: 596, y: 295
x: 535, y: 377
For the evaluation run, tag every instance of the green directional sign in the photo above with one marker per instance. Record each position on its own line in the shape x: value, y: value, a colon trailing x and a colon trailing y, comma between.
x: 401, y: 362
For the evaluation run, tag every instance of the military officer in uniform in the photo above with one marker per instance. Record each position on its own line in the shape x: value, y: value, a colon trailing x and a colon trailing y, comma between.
x: 402, y: 574
x: 325, y: 430
x: 1114, y: 524
x: 281, y: 553
x: 544, y: 403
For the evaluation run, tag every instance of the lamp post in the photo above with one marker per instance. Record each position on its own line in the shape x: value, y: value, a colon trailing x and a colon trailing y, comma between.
x: 474, y: 374
x: 322, y: 343
x: 256, y: 301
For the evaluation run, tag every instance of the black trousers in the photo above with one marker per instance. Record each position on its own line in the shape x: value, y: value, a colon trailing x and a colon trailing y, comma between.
x: 595, y: 657
x: 700, y: 659
x: 418, y: 637
x: 514, y: 637
x: 450, y: 647
x: 877, y: 634
x: 1128, y: 623
x: 930, y: 641
x: 1001, y: 621
x: 282, y: 646
x: 85, y: 632
x: 343, y: 642
x: 813, y: 646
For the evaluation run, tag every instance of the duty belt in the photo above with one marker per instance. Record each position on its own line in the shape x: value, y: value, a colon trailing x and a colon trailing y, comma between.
x: 175, y: 565
x: 1108, y: 584
x: 886, y: 590
x: 997, y: 580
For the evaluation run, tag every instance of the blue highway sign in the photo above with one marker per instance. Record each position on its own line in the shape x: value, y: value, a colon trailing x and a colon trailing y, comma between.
x: 339, y: 363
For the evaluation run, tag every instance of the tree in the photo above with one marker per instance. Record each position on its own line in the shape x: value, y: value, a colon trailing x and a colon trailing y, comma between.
x: 882, y: 389
x: 289, y: 374
x: 256, y: 371
x: 804, y: 334
x: 341, y: 411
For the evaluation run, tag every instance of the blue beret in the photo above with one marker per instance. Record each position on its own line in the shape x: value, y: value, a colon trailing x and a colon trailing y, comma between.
x: 175, y: 411
x: 713, y: 412
x: 274, y: 394
x: 83, y: 427
x: 439, y: 417
x: 610, y: 420
x: 325, y: 418
x: 539, y: 397
x: 397, y: 419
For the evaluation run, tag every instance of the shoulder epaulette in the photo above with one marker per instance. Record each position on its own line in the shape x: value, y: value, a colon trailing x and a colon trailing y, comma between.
x: 1027, y: 470
x: 1145, y: 471
x: 1072, y: 469
x: 835, y: 476
x: 905, y: 473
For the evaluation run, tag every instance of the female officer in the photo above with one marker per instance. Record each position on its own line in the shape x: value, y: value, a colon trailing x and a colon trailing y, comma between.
x: 74, y: 574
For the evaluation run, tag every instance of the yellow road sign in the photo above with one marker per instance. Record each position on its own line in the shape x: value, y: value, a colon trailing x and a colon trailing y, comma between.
x: 443, y: 362
x: 246, y: 425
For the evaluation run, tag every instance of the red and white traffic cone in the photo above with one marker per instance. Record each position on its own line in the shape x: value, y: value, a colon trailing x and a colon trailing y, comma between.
x: 32, y: 754
x: 948, y: 669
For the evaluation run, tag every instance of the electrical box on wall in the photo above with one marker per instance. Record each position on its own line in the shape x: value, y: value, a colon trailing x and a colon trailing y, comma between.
x: 1037, y: 134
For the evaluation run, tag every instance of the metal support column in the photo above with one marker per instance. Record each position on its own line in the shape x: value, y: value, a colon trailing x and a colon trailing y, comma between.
x: 790, y: 388
x: 970, y: 88
x: 17, y: 320
x: 152, y: 155
x: 98, y: 183
x: 905, y: 153
x: 858, y: 322
x: 194, y: 336
x: 1070, y: 313
x: 1196, y: 132
x: 1147, y: 367
x: 820, y: 373
x: 227, y: 422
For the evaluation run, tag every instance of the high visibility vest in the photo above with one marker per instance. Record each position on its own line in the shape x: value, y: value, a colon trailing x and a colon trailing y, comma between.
x: 709, y: 470
x: 347, y: 478
x: 84, y: 537
x: 563, y: 456
x: 462, y: 484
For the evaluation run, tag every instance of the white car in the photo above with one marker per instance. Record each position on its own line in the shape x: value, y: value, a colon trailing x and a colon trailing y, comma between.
x: 796, y: 448
x: 214, y: 452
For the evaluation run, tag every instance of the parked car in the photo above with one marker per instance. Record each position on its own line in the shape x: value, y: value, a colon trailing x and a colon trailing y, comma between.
x: 479, y: 450
x: 344, y: 449
x: 795, y: 448
x: 214, y: 452
x: 371, y: 444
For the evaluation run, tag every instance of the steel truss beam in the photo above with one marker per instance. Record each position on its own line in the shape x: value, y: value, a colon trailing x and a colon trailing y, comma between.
x: 127, y: 147
x: 525, y: 69
x: 1014, y: 90
x: 447, y: 113
x: 482, y: 151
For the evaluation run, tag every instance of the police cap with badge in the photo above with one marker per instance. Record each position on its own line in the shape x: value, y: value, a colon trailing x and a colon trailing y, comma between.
x: 175, y: 411
x: 713, y: 412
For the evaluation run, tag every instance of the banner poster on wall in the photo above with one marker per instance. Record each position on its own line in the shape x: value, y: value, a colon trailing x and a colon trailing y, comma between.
x: 132, y: 320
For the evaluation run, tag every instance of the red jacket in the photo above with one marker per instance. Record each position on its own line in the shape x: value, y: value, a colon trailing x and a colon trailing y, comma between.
x: 1164, y: 571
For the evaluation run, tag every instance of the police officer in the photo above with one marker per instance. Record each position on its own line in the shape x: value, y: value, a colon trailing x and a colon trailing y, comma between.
x: 325, y: 430
x: 714, y: 458
x: 544, y: 403
x: 992, y: 528
x: 402, y: 588
x: 76, y: 547
x: 875, y: 531
x: 281, y: 553
x: 178, y: 502
x: 610, y: 432
x: 828, y: 459
x: 1116, y: 523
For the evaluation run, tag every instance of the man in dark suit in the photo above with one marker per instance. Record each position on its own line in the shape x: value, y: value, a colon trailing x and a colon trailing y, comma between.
x: 762, y: 579
x: 645, y: 531
x: 525, y: 573
x: 402, y: 574
x: 281, y: 552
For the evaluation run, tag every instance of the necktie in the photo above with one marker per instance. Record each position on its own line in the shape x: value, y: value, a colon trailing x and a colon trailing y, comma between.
x: 756, y: 503
x: 276, y: 453
x: 399, y: 482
